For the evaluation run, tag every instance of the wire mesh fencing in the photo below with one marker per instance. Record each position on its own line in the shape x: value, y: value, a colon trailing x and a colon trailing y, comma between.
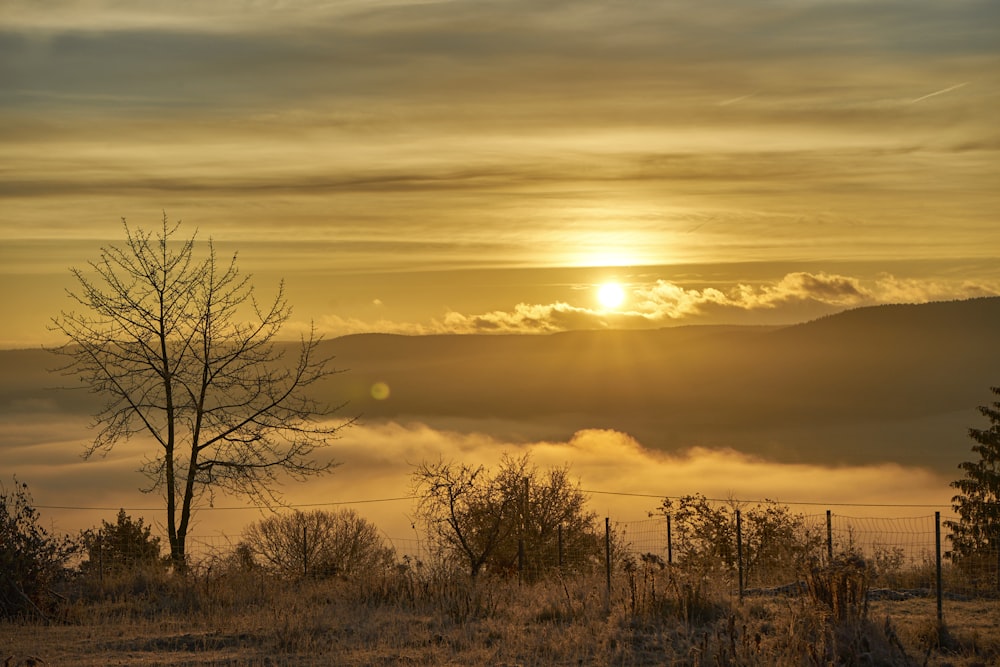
x: 741, y: 548
x: 750, y: 552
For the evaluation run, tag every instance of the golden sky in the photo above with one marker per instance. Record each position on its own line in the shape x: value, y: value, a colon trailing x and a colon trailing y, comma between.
x: 451, y: 166
x: 482, y: 167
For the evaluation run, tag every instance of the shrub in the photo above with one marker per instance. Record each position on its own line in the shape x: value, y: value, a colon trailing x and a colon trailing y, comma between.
x: 775, y: 540
x: 31, y: 560
x: 317, y: 543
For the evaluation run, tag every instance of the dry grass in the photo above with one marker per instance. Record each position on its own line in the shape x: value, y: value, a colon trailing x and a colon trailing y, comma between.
x: 436, y: 617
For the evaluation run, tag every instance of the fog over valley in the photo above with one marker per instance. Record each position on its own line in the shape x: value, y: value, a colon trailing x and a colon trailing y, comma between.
x: 870, y: 406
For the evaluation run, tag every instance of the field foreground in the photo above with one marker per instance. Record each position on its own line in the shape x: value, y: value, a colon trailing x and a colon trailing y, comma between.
x: 448, y: 621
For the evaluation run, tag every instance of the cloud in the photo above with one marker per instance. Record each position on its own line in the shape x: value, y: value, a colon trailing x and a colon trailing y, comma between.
x: 890, y: 289
x: 793, y: 298
x: 667, y: 301
x: 624, y: 479
x: 525, y: 318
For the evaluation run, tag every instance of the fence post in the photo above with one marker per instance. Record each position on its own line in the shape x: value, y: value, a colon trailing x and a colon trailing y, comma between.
x: 520, y: 559
x: 937, y: 548
x: 829, y: 536
x: 100, y: 557
x: 670, y: 544
x: 522, y: 528
x: 739, y: 551
x: 607, y: 558
x: 560, y: 546
x: 998, y: 558
x: 305, y: 554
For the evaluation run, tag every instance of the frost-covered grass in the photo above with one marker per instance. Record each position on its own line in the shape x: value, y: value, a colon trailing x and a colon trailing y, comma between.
x: 437, y: 616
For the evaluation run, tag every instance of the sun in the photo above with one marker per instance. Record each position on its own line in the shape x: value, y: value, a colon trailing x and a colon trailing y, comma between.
x: 611, y: 295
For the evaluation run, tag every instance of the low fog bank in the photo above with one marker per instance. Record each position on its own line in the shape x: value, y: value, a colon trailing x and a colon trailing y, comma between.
x: 377, y: 461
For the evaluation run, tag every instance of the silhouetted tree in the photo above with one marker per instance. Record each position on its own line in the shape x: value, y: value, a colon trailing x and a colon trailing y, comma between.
x: 976, y: 534
x: 124, y: 545
x: 481, y: 517
x: 320, y: 542
x: 182, y: 350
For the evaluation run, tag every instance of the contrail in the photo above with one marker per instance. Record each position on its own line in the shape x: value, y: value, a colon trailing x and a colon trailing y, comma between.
x: 736, y: 99
x: 939, y: 92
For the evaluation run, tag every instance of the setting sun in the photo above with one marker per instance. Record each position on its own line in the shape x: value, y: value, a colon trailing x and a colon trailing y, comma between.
x: 611, y: 295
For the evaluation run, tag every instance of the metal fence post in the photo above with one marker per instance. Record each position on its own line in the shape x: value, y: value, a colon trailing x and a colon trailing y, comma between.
x: 100, y: 557
x: 739, y: 551
x: 670, y: 544
x: 937, y: 547
x: 560, y: 553
x: 997, y: 547
x: 607, y: 558
x: 829, y: 536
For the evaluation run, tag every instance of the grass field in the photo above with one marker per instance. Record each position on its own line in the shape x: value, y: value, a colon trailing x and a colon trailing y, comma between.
x: 441, y: 618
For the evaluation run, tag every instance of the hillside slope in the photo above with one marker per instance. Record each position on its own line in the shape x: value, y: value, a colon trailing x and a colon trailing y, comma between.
x: 887, y: 383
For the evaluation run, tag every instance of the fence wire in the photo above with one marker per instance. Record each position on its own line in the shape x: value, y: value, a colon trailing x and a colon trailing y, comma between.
x: 900, y: 553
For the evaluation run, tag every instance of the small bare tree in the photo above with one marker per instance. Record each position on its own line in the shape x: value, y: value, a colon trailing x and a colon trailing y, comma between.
x: 319, y: 542
x: 505, y: 519
x: 182, y: 351
x: 465, y: 511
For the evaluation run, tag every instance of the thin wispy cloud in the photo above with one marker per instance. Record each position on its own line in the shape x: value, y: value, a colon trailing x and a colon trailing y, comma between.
x: 939, y: 92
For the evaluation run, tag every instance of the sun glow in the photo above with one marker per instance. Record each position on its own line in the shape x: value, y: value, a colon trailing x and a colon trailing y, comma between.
x: 611, y: 295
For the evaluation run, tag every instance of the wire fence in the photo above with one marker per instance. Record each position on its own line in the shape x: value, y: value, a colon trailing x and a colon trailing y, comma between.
x: 900, y: 552
x: 906, y: 555
x: 745, y: 548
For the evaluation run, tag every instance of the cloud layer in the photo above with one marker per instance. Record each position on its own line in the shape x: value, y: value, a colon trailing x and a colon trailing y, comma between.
x: 796, y: 297
x: 624, y: 480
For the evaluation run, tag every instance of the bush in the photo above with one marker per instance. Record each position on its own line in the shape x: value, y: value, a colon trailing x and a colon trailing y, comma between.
x: 776, y: 541
x: 31, y: 560
x: 317, y: 543
x: 123, y: 546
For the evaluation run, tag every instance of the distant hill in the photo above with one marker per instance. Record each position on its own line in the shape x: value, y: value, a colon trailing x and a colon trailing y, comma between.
x: 885, y: 383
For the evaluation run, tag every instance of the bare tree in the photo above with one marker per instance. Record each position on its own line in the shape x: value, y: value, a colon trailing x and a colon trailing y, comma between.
x: 319, y: 542
x: 505, y: 519
x: 182, y: 351
x: 464, y: 510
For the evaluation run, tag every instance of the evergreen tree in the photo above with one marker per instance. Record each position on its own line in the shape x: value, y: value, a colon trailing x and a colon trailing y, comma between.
x: 976, y: 534
x: 120, y: 546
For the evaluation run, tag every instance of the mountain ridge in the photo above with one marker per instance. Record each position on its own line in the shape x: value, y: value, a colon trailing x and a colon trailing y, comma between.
x: 883, y: 383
